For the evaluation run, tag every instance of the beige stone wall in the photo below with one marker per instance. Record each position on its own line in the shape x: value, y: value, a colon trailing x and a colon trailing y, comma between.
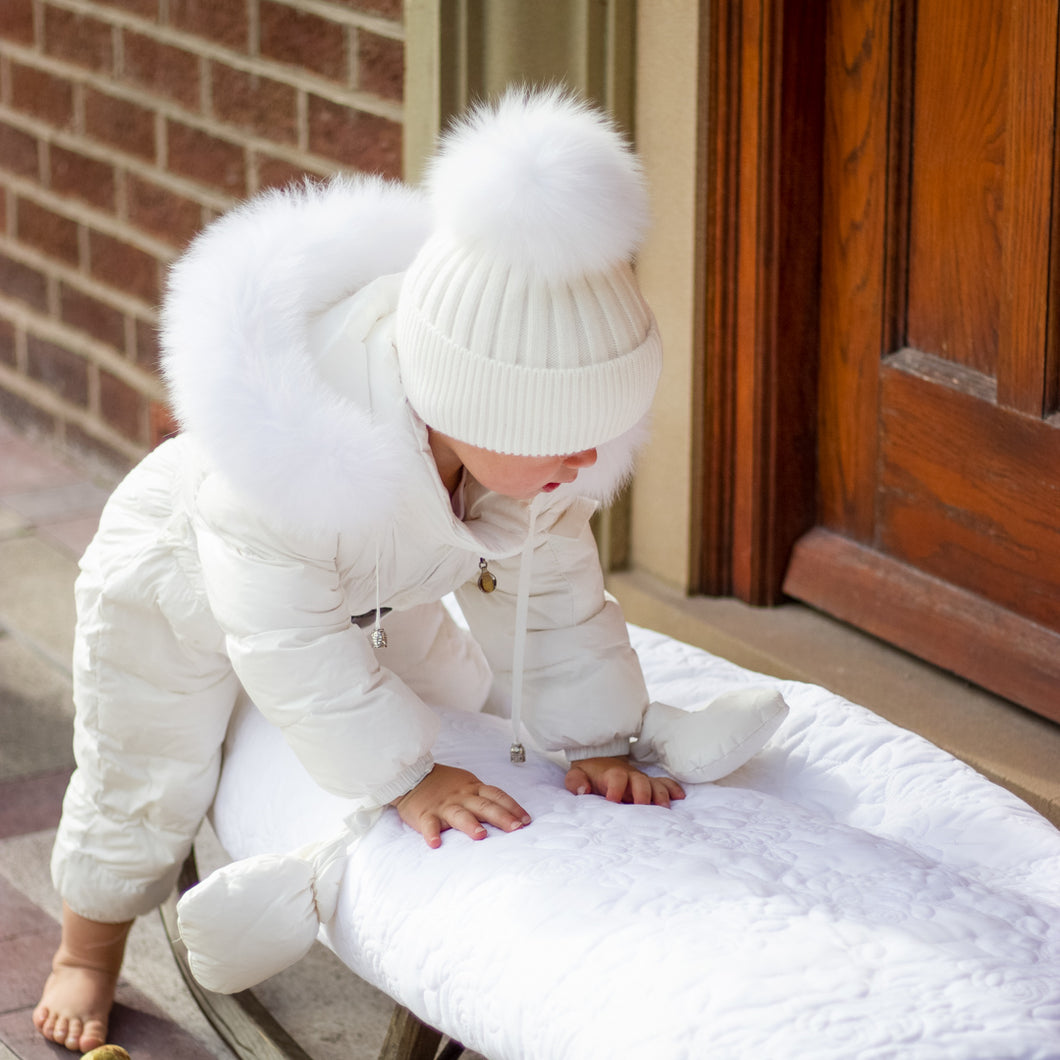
x: 666, y: 123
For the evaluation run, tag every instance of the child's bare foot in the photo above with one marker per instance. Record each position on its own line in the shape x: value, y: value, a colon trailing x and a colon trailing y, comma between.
x: 75, y: 1005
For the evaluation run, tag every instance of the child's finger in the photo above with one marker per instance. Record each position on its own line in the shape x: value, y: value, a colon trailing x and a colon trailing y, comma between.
x: 641, y: 789
x: 506, y: 803
x: 577, y: 781
x: 464, y: 820
x: 660, y: 792
x: 431, y: 830
x: 615, y: 781
x: 497, y: 814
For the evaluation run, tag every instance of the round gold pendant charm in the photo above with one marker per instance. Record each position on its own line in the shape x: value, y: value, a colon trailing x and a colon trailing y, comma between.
x: 486, y: 581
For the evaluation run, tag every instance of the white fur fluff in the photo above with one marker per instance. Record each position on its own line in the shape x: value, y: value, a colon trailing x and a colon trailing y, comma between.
x: 236, y: 361
x: 543, y: 182
x: 614, y: 465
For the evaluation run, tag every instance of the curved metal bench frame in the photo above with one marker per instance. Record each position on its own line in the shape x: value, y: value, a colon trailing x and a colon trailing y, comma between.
x: 250, y: 1030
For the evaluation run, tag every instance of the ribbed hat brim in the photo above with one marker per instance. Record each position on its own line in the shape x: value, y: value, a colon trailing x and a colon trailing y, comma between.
x: 509, y: 408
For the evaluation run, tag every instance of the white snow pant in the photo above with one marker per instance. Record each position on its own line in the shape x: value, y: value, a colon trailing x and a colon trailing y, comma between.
x: 153, y: 691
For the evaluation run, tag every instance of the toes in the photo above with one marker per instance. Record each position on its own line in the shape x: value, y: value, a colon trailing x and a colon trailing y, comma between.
x: 57, y: 1030
x: 72, y: 1040
x: 41, y: 1015
x: 93, y: 1035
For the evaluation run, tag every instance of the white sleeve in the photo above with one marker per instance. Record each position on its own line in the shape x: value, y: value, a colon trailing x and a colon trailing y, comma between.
x: 356, y: 727
x: 583, y: 691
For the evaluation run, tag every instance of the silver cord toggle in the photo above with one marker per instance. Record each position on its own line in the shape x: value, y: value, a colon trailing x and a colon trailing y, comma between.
x: 517, y: 752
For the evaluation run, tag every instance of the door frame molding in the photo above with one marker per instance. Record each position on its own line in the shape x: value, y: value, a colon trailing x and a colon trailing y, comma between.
x: 759, y: 278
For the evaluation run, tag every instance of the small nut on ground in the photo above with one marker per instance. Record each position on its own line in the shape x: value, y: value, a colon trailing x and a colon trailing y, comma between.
x: 107, y: 1052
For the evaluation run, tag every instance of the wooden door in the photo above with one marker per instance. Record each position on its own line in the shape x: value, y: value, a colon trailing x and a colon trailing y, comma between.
x: 936, y: 494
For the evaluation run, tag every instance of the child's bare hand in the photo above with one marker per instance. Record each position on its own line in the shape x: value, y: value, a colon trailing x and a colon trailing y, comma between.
x: 454, y: 798
x: 618, y: 780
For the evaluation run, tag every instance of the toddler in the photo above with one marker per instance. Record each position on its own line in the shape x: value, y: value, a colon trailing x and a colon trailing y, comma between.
x: 385, y: 397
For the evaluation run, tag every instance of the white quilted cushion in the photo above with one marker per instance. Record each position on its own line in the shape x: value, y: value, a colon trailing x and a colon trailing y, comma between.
x: 852, y: 892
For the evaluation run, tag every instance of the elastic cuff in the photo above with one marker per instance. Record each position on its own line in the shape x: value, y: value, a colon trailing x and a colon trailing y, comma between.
x: 405, y: 781
x: 616, y: 747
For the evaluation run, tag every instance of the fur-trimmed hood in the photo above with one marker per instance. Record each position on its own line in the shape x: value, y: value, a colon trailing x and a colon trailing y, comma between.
x: 241, y: 370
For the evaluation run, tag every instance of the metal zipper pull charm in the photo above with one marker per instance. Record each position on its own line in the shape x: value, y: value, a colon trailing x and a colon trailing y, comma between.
x: 486, y: 581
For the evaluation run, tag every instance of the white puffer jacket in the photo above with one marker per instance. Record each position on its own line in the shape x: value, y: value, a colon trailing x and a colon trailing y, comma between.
x: 255, y: 552
x: 338, y: 507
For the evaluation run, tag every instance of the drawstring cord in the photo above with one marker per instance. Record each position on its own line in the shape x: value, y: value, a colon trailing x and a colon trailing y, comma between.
x: 522, y: 606
x: 378, y: 638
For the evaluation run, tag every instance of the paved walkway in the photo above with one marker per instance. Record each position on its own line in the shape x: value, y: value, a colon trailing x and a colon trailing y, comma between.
x: 48, y: 513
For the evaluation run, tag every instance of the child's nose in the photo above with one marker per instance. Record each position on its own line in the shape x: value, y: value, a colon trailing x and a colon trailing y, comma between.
x: 586, y: 458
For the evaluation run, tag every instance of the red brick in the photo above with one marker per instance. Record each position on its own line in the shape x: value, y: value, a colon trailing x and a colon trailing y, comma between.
x: 255, y: 103
x: 92, y: 316
x: 41, y: 94
x: 380, y: 65
x: 207, y: 159
x: 392, y: 9
x: 17, y: 23
x: 120, y: 123
x: 82, y: 177
x: 124, y: 267
x: 302, y: 39
x: 78, y: 39
x: 354, y: 138
x: 47, y: 231
x: 122, y: 407
x: 278, y: 172
x: 62, y: 371
x: 21, y: 281
x: 162, y: 69
x: 147, y: 351
x: 7, y: 342
x: 223, y: 22
x: 18, y: 151
x: 162, y: 424
x: 161, y: 212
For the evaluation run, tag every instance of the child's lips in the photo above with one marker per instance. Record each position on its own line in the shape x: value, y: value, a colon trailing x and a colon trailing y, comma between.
x: 550, y: 487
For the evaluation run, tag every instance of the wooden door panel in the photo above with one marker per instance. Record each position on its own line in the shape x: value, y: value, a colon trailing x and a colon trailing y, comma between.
x: 957, y: 181
x: 854, y: 245
x: 889, y: 165
x: 968, y: 492
x: 1027, y: 362
x: 938, y: 459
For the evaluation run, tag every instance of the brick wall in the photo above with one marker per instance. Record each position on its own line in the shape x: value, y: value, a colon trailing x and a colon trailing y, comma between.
x: 125, y: 125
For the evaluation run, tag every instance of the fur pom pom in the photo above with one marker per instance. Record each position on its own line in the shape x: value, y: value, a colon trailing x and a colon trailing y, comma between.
x: 542, y: 181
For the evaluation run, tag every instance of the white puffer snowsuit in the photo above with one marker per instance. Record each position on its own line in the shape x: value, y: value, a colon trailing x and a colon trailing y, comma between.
x: 249, y: 555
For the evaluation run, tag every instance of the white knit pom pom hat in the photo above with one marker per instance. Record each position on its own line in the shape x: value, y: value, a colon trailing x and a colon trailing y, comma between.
x: 520, y: 326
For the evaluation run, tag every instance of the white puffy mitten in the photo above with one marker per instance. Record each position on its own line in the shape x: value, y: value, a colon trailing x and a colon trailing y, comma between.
x: 711, y: 742
x: 255, y: 917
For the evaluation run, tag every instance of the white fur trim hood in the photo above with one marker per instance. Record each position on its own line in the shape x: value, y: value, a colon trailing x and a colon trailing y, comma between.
x: 240, y: 368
